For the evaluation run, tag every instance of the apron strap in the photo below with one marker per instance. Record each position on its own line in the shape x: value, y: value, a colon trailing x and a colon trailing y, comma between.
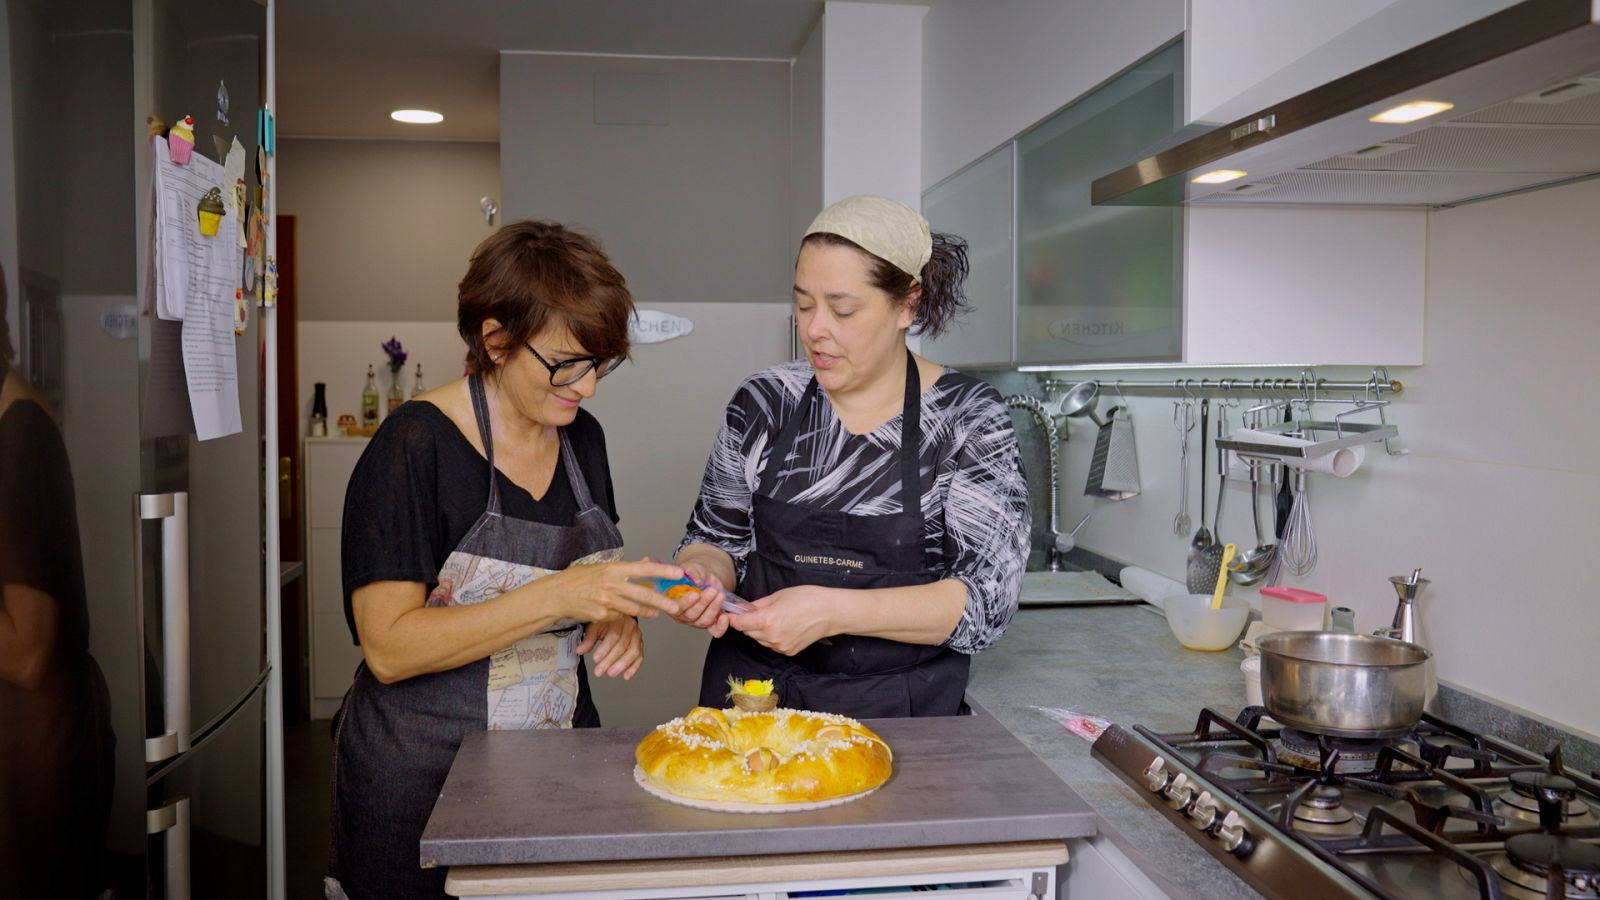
x: 480, y: 411
x: 910, y: 440
x: 580, y: 485
x: 785, y: 439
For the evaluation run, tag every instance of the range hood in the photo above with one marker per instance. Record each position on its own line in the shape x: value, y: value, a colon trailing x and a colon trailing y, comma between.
x: 1523, y: 87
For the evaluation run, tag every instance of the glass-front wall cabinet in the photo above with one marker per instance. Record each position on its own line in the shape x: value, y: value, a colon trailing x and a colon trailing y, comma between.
x: 1099, y: 283
x: 976, y: 204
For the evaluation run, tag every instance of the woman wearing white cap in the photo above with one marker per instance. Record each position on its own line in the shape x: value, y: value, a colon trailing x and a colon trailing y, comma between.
x: 870, y: 502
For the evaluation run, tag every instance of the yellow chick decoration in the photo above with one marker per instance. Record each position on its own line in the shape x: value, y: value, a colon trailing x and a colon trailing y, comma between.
x: 752, y: 694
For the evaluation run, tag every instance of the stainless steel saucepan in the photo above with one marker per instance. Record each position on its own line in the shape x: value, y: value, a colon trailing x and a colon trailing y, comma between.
x: 1345, y: 685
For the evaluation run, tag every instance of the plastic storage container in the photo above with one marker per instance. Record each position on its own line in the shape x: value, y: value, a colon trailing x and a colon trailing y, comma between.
x: 1251, y: 667
x: 1293, y: 609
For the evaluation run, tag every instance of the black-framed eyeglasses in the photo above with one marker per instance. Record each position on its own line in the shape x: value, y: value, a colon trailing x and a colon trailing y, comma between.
x: 571, y: 371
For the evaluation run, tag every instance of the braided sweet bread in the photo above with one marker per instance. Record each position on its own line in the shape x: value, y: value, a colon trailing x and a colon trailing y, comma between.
x: 781, y: 756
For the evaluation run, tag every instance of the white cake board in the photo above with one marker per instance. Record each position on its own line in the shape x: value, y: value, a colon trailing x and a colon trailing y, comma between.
x: 742, y: 807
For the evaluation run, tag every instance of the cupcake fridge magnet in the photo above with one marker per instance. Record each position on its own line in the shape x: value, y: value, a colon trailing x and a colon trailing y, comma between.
x: 180, y: 140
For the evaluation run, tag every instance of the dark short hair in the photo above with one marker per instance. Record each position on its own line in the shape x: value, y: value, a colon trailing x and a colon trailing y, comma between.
x: 530, y: 275
x: 943, y: 279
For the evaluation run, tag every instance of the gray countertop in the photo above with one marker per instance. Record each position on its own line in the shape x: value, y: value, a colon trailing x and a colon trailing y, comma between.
x: 568, y: 795
x: 1120, y: 663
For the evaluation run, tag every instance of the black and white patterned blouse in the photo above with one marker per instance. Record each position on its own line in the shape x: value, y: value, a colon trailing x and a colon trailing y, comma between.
x: 975, y: 507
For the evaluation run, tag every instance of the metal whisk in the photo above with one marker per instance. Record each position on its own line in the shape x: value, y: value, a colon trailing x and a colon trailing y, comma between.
x: 1299, y: 546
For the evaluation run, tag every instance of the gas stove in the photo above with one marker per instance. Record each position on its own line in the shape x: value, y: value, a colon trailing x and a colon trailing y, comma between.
x: 1440, y: 813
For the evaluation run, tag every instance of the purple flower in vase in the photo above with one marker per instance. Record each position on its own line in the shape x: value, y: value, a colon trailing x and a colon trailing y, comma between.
x: 397, y: 354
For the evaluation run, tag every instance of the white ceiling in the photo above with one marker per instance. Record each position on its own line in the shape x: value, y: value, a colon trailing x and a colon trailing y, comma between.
x: 342, y: 65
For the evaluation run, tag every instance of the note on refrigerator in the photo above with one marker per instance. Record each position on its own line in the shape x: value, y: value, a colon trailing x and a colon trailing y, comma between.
x: 196, y: 280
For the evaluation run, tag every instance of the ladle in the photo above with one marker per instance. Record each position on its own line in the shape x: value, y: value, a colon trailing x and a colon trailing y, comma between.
x: 1252, y: 565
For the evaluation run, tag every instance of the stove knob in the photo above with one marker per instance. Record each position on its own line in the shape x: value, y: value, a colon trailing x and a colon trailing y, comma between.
x: 1204, y: 811
x: 1235, y: 837
x: 1180, y: 792
x: 1155, y: 775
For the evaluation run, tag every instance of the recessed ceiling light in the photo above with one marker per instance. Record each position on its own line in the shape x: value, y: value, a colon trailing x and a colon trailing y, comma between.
x: 1219, y: 176
x: 416, y: 116
x: 1411, y: 112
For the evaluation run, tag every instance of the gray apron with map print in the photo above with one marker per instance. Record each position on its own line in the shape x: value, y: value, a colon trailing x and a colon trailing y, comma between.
x: 394, y: 742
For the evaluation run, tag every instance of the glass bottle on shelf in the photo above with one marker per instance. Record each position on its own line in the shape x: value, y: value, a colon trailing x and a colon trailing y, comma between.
x: 416, y: 382
x: 369, y: 400
x: 396, y: 395
x: 319, y: 411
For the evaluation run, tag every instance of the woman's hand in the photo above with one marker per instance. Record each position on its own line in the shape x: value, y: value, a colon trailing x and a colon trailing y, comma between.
x: 594, y: 593
x: 790, y: 620
x: 618, y: 647
x: 704, y: 609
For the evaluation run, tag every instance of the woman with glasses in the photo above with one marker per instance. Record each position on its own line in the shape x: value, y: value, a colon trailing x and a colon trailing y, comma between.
x: 481, y: 551
x: 869, y: 501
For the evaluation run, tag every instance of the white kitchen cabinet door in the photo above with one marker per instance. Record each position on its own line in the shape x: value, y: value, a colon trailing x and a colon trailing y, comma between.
x: 1304, y: 286
x: 328, y: 463
x: 976, y: 204
x: 1245, y: 55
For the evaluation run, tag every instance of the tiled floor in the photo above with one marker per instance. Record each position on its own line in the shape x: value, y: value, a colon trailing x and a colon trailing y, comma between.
x: 308, y: 779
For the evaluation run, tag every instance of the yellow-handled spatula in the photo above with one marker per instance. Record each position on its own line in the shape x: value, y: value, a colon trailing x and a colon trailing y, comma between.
x: 1222, y: 575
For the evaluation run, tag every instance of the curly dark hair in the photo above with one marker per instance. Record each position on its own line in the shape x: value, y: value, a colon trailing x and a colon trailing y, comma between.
x: 530, y: 274
x: 943, y: 280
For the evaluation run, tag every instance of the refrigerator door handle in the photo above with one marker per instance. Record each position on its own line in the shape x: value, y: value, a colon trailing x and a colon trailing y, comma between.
x: 173, y: 511
x: 173, y: 818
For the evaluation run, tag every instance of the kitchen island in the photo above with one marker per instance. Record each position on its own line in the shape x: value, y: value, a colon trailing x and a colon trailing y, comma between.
x: 521, y: 810
x: 1123, y: 664
x: 502, y: 810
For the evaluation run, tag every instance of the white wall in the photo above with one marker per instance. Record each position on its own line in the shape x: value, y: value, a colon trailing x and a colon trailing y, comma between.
x: 805, y: 136
x: 992, y: 68
x: 692, y: 210
x: 384, y: 229
x: 1497, y: 499
x: 872, y: 101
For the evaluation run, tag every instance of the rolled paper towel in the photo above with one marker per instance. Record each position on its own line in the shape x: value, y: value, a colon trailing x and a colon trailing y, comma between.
x: 1340, y: 463
x: 1148, y: 586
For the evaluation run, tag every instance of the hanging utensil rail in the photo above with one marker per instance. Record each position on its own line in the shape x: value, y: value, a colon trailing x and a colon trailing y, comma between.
x: 1306, y: 383
x: 1305, y: 390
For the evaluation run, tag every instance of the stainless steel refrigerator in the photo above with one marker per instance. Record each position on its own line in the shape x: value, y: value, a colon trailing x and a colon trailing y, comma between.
x: 133, y: 662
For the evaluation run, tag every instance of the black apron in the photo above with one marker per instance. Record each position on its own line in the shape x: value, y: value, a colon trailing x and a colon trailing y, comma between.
x: 852, y: 675
x: 394, y: 743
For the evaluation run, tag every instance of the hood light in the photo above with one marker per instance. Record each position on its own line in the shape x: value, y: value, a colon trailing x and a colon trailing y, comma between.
x: 1219, y: 176
x: 1411, y: 112
x: 416, y: 116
